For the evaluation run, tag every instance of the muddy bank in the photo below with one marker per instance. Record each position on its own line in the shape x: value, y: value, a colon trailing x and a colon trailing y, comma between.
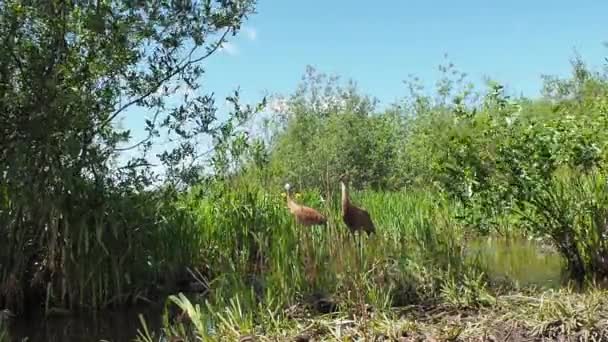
x: 550, y: 315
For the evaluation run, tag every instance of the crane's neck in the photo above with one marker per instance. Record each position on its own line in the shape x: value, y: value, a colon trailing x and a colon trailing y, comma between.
x: 290, y: 203
x: 344, y: 194
x: 288, y: 196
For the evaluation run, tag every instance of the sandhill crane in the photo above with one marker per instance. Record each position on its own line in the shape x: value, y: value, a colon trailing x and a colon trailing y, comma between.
x: 356, y: 219
x: 305, y: 216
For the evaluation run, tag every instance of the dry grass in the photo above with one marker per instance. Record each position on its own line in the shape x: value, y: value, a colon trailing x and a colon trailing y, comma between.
x: 531, y: 316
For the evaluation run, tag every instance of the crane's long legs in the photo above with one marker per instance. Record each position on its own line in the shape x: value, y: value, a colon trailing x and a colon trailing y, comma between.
x: 358, y: 246
x: 356, y: 237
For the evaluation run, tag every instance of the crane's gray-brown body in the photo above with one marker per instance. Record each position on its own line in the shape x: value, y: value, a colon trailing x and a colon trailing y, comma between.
x: 304, y: 215
x: 356, y: 219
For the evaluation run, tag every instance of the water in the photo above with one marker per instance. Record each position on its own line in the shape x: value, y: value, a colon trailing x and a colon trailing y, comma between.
x: 525, y: 262
x: 113, y: 326
x: 521, y: 261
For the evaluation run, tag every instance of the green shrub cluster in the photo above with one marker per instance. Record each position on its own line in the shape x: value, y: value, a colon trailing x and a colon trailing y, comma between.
x: 491, y: 152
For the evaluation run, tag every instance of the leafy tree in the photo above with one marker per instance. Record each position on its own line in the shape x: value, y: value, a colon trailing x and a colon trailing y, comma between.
x: 327, y: 129
x: 69, y: 70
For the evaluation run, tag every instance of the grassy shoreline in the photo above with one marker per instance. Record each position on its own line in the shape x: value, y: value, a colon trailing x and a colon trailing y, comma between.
x: 527, y: 314
x: 414, y: 280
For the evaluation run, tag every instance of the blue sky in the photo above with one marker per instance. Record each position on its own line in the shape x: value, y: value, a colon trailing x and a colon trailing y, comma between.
x: 378, y: 46
x: 513, y: 41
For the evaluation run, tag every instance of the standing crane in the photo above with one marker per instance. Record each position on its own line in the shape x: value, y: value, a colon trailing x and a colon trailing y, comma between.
x: 305, y: 216
x: 356, y: 219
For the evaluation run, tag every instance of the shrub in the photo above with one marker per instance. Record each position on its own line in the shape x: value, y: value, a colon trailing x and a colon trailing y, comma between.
x: 573, y: 211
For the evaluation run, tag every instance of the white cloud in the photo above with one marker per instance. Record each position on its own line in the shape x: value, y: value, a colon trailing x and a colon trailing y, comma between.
x: 251, y: 33
x: 278, y: 105
x: 229, y: 48
x: 226, y: 105
x: 185, y: 90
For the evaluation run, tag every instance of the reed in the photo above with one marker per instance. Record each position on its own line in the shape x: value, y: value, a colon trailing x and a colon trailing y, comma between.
x: 92, y: 249
x: 264, y: 266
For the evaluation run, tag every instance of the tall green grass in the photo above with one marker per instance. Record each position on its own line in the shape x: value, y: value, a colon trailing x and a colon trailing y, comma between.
x: 3, y: 331
x: 92, y: 249
x: 264, y: 266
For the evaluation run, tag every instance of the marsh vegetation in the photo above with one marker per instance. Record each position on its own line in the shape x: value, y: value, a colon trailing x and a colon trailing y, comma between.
x: 490, y: 210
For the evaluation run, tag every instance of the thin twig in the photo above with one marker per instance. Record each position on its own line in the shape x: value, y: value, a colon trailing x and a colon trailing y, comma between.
x: 509, y: 333
x: 143, y: 141
x: 187, y: 62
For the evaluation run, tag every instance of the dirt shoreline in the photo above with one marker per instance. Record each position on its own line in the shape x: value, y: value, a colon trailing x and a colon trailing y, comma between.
x: 561, y: 315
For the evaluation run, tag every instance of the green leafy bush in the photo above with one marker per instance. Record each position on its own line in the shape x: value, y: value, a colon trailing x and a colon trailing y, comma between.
x: 573, y: 211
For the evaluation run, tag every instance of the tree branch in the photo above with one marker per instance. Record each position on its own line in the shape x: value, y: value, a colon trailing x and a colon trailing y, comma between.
x: 17, y: 61
x: 143, y: 141
x: 187, y: 62
x: 143, y: 164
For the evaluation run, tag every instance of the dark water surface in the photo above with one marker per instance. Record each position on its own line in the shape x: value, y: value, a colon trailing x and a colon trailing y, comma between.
x: 111, y: 326
x: 522, y: 261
